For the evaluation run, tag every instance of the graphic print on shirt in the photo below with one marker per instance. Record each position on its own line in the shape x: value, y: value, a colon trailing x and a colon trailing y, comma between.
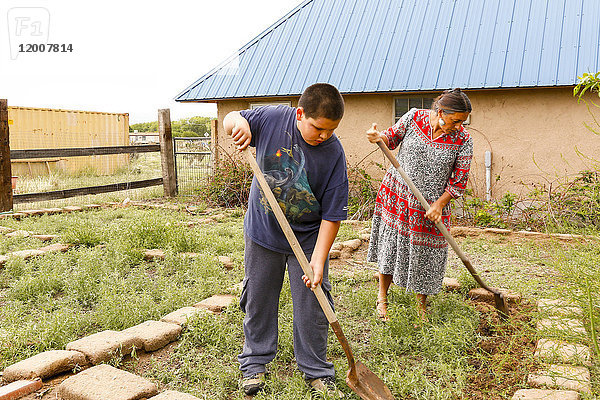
x: 284, y: 172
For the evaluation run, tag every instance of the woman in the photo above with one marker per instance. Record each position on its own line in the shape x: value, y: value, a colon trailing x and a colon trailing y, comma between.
x: 436, y: 154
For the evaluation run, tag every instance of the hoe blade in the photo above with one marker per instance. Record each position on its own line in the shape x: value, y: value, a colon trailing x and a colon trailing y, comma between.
x: 367, y: 385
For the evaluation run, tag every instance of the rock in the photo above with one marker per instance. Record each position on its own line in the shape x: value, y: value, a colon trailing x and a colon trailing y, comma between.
x: 55, y: 248
x: 541, y: 394
x: 562, y: 377
x: 181, y: 316
x: 154, y: 335
x: 451, y: 284
x: 173, y: 395
x: 44, y: 238
x: 154, y: 253
x: 334, y: 254
x: 226, y: 262
x: 346, y: 252
x: 216, y: 303
x: 102, y: 346
x: 33, y: 212
x: 104, y: 382
x: 365, y: 237
x: 558, y: 307
x: 18, y: 389
x: 569, y: 326
x: 19, y: 233
x: 563, y: 352
x: 483, y: 295
x: 72, y: 208
x: 497, y: 231
x: 24, y: 254
x: 337, y: 246
x: 53, y: 210
x: 353, y: 244
x: 44, y: 365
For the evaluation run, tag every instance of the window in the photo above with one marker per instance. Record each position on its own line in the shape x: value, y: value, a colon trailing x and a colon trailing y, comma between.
x: 403, y: 104
x: 271, y: 103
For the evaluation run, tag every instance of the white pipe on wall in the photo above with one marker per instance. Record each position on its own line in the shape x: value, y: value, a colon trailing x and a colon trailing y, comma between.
x: 488, y: 175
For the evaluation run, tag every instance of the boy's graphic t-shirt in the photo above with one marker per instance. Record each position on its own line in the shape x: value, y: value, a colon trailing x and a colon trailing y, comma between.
x: 309, y: 182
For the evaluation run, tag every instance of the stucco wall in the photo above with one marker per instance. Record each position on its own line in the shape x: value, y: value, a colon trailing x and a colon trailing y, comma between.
x: 535, y: 135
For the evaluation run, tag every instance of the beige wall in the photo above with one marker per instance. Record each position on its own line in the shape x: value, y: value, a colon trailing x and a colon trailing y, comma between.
x: 535, y: 135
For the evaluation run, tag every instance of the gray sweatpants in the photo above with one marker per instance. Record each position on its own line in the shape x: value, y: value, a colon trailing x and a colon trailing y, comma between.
x: 262, y: 284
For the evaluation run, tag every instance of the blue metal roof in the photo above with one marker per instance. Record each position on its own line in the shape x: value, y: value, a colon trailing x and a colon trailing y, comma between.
x: 375, y: 46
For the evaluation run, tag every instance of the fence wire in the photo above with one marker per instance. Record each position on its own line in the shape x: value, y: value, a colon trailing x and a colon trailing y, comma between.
x: 193, y: 163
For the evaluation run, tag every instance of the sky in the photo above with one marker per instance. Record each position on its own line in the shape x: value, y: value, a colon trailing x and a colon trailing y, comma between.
x: 127, y: 56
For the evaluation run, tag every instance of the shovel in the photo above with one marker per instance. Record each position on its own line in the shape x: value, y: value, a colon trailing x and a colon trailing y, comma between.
x: 359, y: 378
x: 499, y: 300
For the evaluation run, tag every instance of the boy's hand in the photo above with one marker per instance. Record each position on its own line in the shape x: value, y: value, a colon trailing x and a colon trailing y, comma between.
x: 241, y: 134
x: 373, y: 134
x: 317, y: 277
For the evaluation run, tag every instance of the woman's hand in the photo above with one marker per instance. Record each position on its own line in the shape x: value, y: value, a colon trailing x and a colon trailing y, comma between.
x: 434, y: 213
x: 373, y: 134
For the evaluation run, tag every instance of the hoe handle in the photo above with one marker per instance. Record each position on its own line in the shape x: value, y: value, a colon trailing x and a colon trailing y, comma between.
x: 299, y: 253
x: 440, y: 225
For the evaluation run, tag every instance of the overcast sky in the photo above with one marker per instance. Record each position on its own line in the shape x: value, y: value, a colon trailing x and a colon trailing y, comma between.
x: 128, y: 56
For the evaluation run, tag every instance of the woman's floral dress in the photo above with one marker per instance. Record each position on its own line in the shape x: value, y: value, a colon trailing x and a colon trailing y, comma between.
x: 404, y: 243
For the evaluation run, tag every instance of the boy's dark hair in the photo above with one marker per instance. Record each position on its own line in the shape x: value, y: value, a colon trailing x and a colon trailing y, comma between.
x: 452, y: 101
x: 322, y: 100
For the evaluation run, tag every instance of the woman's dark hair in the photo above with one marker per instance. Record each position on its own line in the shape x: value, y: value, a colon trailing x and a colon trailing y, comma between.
x: 322, y: 100
x: 452, y: 101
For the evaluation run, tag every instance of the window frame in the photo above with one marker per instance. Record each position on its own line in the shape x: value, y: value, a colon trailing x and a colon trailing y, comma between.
x: 421, y: 96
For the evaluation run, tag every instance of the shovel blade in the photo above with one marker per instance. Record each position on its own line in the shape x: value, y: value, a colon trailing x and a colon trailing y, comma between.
x: 367, y: 385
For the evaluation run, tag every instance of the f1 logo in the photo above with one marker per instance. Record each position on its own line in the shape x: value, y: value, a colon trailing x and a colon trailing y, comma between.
x: 27, y: 25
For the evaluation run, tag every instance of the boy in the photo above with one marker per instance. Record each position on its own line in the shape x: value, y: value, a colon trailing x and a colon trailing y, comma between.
x: 305, y: 166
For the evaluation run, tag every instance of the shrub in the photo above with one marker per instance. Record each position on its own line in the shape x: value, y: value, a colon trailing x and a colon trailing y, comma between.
x: 229, y: 186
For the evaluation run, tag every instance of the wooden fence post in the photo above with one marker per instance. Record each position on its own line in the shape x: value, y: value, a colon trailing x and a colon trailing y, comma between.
x: 6, y: 198
x: 214, y: 142
x: 166, y: 153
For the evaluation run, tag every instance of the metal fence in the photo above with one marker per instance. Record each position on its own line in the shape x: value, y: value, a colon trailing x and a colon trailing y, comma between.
x: 193, y: 162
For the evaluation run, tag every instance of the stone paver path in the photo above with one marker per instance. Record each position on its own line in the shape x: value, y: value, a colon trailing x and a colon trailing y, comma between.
x: 104, y: 382
x: 102, y: 346
x: 173, y: 395
x: 566, y: 377
x: 154, y: 335
x: 563, y: 352
x: 44, y: 365
x: 541, y: 394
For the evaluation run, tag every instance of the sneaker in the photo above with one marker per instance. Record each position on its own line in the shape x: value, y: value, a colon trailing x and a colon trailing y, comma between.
x: 324, y: 388
x: 253, y: 384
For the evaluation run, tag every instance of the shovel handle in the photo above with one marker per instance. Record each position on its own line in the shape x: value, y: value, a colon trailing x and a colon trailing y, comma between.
x: 440, y: 225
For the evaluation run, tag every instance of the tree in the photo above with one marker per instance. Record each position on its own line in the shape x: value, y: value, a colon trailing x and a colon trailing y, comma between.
x: 194, y: 126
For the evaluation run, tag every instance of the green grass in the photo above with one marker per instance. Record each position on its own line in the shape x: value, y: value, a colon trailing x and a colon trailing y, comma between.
x: 104, y: 283
x: 51, y: 300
